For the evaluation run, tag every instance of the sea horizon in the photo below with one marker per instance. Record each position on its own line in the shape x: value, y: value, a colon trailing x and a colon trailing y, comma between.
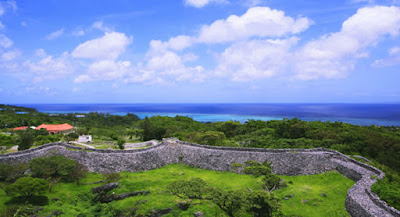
x: 364, y: 114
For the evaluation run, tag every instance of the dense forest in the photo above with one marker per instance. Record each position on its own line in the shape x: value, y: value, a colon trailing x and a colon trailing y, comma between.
x: 379, y: 144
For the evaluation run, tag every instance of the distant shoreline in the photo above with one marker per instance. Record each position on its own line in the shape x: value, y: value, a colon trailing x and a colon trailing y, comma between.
x: 357, y: 114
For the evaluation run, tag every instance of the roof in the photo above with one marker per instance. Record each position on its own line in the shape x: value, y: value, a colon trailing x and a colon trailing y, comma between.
x: 55, y: 127
x: 20, y: 128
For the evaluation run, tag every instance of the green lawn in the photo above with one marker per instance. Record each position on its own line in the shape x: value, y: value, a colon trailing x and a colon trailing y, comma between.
x: 73, y: 200
x: 304, y: 197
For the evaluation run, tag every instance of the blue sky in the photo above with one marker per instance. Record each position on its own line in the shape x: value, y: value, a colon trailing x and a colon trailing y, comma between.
x: 200, y: 51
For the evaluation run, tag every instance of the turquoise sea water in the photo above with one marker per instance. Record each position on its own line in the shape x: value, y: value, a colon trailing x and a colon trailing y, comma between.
x: 359, y: 114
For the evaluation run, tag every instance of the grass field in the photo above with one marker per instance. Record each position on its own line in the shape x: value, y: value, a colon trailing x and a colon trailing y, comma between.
x: 301, y: 198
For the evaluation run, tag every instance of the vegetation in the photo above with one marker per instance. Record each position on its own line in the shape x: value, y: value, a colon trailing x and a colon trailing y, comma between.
x: 379, y: 144
x: 27, y: 187
x: 223, y: 194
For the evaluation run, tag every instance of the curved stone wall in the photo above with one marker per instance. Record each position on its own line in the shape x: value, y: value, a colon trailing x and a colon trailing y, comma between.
x: 360, y: 201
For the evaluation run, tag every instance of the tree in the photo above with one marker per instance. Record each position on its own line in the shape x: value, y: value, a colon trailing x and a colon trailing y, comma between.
x: 12, y: 173
x: 207, y: 138
x: 53, y: 167
x: 147, y: 129
x: 27, y: 187
x: 79, y: 172
x: 263, y: 204
x: 231, y: 202
x: 4, y: 171
x: 25, y: 140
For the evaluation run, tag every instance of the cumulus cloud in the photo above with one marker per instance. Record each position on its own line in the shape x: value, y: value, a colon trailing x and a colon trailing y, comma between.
x: 110, y: 46
x: 104, y: 52
x: 249, y: 60
x: 334, y: 55
x: 257, y: 21
x: 165, y: 66
x: 10, y: 55
x: 5, y: 42
x: 202, y: 3
x: 105, y: 70
x: 55, y: 34
x: 177, y: 43
x: 46, y: 67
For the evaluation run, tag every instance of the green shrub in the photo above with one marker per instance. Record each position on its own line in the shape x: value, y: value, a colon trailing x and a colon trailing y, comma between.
x: 236, y: 166
x: 10, y: 173
x: 53, y: 167
x: 192, y: 189
x: 4, y: 171
x: 27, y: 187
x: 111, y: 177
x: 255, y: 168
x: 121, y: 144
x: 388, y: 191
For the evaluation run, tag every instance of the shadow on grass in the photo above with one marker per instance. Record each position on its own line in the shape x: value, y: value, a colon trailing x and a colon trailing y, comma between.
x: 34, y: 200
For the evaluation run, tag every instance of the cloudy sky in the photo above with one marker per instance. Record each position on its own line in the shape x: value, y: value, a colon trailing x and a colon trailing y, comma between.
x: 199, y: 51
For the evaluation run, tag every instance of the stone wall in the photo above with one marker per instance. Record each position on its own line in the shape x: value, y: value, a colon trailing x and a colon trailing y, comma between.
x: 360, y: 201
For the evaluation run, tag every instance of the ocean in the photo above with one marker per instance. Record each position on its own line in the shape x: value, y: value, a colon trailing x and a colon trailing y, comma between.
x: 358, y: 114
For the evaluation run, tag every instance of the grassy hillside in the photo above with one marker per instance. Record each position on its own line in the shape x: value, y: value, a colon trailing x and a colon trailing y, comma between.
x: 304, y: 193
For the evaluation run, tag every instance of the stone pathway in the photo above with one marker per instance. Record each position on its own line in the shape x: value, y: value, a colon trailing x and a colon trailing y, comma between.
x: 83, y: 144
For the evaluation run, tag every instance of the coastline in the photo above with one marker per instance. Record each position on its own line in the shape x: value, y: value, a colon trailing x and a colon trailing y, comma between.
x: 357, y: 114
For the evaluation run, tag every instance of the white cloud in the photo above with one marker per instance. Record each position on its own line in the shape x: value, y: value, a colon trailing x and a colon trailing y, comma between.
x: 394, y: 51
x: 333, y: 56
x: 110, y: 46
x: 255, y: 59
x: 100, y: 26
x: 8, y: 4
x: 78, y: 32
x: 175, y: 43
x: 82, y: 79
x: 40, y: 90
x: 1, y: 25
x: 362, y: 1
x: 392, y: 60
x: 164, y: 67
x: 257, y: 21
x: 108, y: 69
x: 252, y: 3
x: 10, y: 55
x: 55, y: 34
x: 5, y: 42
x: 169, y: 63
x: 202, y: 3
x: 46, y: 67
x: 12, y: 5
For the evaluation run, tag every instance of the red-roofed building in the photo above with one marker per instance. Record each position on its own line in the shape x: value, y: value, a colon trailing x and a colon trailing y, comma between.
x: 20, y: 128
x: 56, y: 128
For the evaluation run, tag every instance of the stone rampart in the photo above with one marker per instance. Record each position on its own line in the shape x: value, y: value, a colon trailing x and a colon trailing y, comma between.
x: 360, y: 201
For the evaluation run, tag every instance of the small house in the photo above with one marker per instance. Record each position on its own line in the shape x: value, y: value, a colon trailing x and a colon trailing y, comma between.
x: 85, y: 138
